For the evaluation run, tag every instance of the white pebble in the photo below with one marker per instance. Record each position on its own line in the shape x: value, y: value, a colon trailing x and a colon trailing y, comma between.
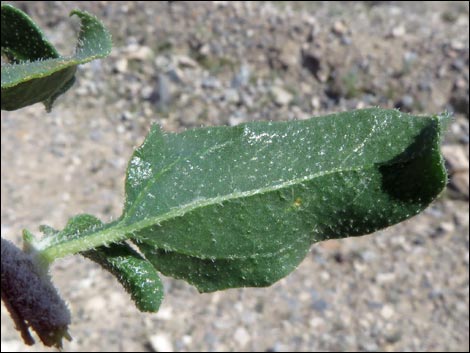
x: 161, y: 343
x: 387, y: 312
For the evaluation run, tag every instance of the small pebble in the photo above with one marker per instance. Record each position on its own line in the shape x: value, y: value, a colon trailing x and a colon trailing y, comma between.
x: 161, y: 343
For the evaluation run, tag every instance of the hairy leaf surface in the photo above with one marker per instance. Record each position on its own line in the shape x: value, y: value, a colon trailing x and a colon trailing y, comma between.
x: 36, y: 72
x: 136, y: 274
x: 226, y: 207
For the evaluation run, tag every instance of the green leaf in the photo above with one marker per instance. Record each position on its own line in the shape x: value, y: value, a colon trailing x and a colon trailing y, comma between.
x: 226, y: 207
x: 22, y: 39
x: 230, y: 207
x: 36, y: 72
x: 136, y: 274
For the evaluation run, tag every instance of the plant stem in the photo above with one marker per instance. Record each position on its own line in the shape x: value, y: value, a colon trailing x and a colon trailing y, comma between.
x: 113, y: 234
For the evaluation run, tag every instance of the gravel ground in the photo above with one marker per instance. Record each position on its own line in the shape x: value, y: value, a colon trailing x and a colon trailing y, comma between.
x: 221, y: 63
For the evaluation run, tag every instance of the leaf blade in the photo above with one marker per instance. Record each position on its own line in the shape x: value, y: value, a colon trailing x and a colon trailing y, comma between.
x: 18, y: 32
x: 137, y: 275
x: 284, y: 204
x: 38, y: 73
x: 232, y: 207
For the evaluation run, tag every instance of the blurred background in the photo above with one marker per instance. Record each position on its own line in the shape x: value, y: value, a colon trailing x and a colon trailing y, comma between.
x: 185, y: 65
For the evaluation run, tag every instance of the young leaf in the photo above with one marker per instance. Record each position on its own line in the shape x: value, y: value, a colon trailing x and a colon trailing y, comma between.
x: 240, y: 206
x: 136, y: 274
x: 36, y: 72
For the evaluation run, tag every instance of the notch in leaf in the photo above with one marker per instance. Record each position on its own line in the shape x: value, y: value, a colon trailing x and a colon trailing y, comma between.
x: 35, y: 71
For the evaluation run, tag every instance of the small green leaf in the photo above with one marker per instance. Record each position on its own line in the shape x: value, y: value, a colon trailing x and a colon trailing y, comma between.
x: 226, y: 207
x: 136, y: 274
x: 37, y: 73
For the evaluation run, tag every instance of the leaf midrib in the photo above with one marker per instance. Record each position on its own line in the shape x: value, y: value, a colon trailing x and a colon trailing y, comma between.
x: 121, y: 232
x: 61, y: 63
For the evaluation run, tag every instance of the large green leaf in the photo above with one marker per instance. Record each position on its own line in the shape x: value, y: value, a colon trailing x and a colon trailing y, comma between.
x: 240, y: 206
x: 230, y: 207
x: 36, y: 72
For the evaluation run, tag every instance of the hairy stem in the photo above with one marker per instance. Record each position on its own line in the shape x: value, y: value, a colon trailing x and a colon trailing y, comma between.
x: 110, y: 235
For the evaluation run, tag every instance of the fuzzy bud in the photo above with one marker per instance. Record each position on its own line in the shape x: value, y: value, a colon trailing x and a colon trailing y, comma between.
x: 31, y: 298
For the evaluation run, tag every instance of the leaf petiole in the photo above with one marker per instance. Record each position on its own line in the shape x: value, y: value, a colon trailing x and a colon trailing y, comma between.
x: 50, y: 251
